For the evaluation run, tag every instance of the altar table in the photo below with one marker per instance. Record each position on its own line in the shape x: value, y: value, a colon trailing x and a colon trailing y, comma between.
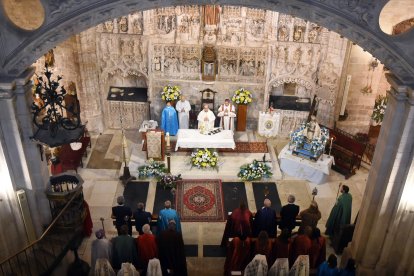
x: 316, y: 172
x: 192, y: 138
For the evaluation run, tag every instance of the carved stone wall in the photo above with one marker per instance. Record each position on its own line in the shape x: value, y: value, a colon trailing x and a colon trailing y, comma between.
x: 255, y: 49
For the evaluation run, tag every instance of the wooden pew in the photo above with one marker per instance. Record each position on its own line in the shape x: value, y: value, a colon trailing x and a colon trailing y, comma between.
x: 347, y: 152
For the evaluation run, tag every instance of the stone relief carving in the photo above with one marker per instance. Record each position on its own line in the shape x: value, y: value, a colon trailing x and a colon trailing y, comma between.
x: 188, y: 24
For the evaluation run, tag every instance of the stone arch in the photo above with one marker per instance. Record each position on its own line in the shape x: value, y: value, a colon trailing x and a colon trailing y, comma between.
x: 356, y: 20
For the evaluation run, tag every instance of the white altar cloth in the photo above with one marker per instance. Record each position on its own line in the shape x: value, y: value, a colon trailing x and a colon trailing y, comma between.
x: 299, y: 167
x: 192, y: 138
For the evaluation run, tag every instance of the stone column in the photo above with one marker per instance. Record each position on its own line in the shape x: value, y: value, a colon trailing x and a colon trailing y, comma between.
x: 384, y: 234
x: 26, y: 169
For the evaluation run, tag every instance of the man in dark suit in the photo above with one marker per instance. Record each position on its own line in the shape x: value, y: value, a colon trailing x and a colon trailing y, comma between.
x: 288, y: 214
x: 122, y: 215
x: 265, y: 220
x: 141, y: 217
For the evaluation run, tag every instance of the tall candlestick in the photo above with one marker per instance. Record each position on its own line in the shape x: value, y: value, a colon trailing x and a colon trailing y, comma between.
x: 168, y: 138
x: 330, y: 147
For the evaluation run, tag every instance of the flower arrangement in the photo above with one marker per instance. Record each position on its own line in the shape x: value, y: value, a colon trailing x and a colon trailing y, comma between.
x: 242, y: 96
x: 153, y: 169
x: 204, y: 158
x: 316, y: 147
x: 169, y: 181
x: 170, y: 93
x: 379, y: 109
x: 254, y: 171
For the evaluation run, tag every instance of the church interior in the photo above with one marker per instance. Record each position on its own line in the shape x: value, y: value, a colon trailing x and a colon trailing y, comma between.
x: 307, y: 97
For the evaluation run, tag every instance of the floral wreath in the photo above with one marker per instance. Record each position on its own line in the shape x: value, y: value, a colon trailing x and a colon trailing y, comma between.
x: 242, y: 96
x: 170, y: 93
x: 204, y: 158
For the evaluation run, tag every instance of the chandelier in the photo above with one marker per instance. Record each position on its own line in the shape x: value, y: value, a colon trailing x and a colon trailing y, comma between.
x: 58, y: 123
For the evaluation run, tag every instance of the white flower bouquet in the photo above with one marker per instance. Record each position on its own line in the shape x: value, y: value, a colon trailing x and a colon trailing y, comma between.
x: 204, y: 158
x: 254, y: 171
x: 170, y: 93
x: 242, y: 96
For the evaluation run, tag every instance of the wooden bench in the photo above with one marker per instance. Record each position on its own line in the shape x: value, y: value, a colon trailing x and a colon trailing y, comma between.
x: 347, y: 152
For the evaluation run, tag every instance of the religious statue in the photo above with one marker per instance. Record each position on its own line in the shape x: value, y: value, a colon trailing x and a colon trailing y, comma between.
x: 183, y: 108
x: 50, y: 58
x: 211, y: 14
x: 123, y: 24
x: 206, y: 119
x: 169, y: 122
x: 227, y: 113
x: 312, y: 130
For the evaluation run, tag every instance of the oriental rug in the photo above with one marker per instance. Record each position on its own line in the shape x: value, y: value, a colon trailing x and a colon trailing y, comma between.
x: 200, y: 200
x: 241, y: 147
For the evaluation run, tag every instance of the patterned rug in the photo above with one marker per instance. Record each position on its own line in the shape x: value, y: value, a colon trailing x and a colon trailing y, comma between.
x: 241, y: 147
x: 200, y: 200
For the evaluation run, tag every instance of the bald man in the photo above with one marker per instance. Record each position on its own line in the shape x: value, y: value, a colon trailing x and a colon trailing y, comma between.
x: 167, y: 214
x: 265, y: 220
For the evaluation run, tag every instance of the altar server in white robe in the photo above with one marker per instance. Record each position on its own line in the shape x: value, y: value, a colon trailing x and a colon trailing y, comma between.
x: 206, y: 118
x: 227, y: 113
x: 183, y: 108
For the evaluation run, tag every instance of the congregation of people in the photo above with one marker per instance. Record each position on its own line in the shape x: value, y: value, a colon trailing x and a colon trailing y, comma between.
x: 147, y: 254
x: 254, y: 248
x: 254, y: 245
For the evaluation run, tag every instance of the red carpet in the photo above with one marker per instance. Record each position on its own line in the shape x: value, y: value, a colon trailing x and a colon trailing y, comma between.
x: 241, y: 147
x: 200, y: 200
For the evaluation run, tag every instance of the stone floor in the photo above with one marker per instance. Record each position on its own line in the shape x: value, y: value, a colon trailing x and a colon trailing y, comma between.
x: 101, y: 188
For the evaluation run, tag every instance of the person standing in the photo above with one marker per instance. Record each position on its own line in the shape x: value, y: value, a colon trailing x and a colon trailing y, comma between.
x: 288, y: 214
x: 227, y: 113
x: 310, y: 216
x: 183, y: 108
x: 171, y: 251
x: 147, y: 247
x: 141, y: 217
x: 169, y: 121
x: 101, y: 248
x: 206, y: 118
x: 165, y: 216
x: 241, y: 221
x: 340, y: 213
x: 122, y: 215
x: 265, y: 220
x: 124, y: 249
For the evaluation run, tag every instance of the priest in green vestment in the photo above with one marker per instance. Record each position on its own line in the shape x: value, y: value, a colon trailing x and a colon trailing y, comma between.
x: 340, y: 213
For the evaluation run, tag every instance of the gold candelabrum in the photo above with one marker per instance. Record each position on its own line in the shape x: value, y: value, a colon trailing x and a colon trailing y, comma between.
x: 126, y: 177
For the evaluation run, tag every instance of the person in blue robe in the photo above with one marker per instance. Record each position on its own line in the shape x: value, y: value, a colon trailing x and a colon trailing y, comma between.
x: 169, y: 120
x: 165, y: 216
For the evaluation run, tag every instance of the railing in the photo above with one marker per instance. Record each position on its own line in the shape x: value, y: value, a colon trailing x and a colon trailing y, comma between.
x: 42, y: 256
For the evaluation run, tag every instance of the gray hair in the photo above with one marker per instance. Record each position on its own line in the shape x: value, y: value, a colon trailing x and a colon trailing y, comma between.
x: 167, y: 204
x: 120, y: 200
x: 291, y: 198
x: 146, y: 229
x: 267, y: 202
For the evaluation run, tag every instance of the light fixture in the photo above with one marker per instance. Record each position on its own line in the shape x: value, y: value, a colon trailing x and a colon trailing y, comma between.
x: 58, y: 123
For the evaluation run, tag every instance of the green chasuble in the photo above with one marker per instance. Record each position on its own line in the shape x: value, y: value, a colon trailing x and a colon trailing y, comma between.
x: 340, y: 214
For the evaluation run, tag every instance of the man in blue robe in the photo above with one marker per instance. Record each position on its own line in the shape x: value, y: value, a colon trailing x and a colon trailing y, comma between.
x: 169, y: 120
x: 165, y: 216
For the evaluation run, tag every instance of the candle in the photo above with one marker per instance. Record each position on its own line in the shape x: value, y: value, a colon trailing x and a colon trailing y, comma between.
x: 330, y: 146
x: 168, y: 138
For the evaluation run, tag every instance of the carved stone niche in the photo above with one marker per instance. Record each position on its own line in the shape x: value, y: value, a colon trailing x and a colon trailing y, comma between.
x: 209, y: 64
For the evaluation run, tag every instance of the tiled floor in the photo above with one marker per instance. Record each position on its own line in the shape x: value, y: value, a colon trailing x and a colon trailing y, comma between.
x: 101, y: 188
